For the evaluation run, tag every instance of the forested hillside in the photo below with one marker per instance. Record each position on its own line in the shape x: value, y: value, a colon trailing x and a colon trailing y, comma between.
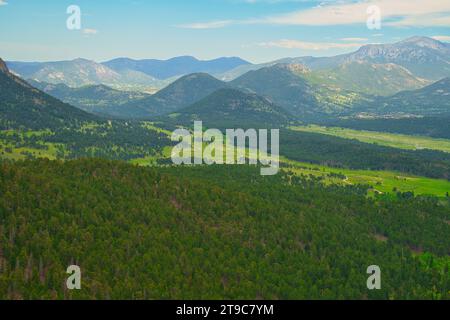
x: 231, y: 108
x: 209, y: 233
x: 24, y: 106
x: 371, y: 78
x: 432, y: 100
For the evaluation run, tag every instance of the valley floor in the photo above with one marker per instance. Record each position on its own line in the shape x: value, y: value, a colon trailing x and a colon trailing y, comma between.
x: 379, y: 181
x: 401, y: 141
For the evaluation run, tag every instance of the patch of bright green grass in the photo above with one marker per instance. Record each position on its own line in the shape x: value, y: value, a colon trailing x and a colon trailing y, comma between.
x: 381, y: 181
x: 22, y: 152
x: 151, y: 126
x: 400, y: 141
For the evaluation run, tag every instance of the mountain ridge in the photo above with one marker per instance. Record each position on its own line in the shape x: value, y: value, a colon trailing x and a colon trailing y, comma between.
x: 22, y: 105
x: 176, y: 66
x: 81, y: 72
x: 426, y: 49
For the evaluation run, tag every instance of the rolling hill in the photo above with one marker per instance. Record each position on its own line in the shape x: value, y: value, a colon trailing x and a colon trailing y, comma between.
x: 231, y: 108
x: 182, y: 93
x: 22, y: 105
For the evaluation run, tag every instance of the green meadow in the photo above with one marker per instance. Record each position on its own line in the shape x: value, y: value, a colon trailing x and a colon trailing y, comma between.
x: 382, y: 138
x: 380, y: 181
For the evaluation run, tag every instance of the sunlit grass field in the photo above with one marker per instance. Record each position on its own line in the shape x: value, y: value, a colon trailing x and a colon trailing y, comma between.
x: 382, y: 138
x: 381, y: 181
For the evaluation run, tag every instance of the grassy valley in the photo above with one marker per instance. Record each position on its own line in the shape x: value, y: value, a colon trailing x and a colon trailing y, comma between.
x: 378, y: 182
x: 401, y: 141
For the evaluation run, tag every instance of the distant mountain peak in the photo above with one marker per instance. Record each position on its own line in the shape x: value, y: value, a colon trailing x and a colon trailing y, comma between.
x: 197, y: 75
x: 410, y: 43
x: 423, y: 42
x: 3, y: 67
x: 183, y: 58
x: 80, y: 59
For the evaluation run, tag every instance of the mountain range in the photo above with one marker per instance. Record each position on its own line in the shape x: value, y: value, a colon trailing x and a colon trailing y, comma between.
x: 123, y: 73
x: 175, y: 67
x: 295, y: 88
x: 82, y: 72
x: 416, y: 62
x: 284, y: 85
x: 24, y: 106
x: 379, y: 69
x: 305, y: 88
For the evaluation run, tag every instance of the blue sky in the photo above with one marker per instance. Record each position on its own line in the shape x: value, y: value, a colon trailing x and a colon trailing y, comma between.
x: 256, y: 30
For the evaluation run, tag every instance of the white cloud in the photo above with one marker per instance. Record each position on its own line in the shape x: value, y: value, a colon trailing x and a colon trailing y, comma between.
x: 354, y: 39
x: 304, y: 45
x: 442, y: 38
x: 402, y: 12
x: 3, y: 3
x: 90, y: 31
x: 436, y: 20
x: 397, y: 13
x: 207, y: 25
